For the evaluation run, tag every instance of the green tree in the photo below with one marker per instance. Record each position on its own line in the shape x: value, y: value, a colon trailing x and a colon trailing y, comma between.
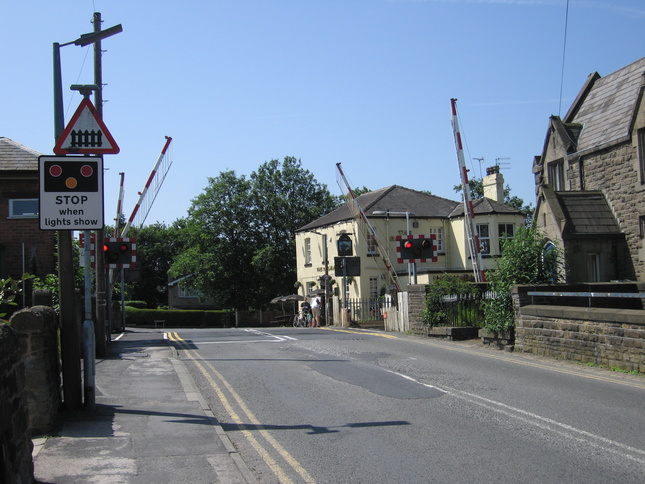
x: 286, y: 196
x: 524, y: 260
x: 219, y: 233
x: 240, y: 247
x: 157, y: 246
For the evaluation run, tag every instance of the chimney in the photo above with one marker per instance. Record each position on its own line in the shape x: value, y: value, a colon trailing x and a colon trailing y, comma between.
x: 494, y: 184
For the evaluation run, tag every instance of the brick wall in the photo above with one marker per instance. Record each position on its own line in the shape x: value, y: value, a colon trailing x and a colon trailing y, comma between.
x: 21, y: 240
x: 16, y: 464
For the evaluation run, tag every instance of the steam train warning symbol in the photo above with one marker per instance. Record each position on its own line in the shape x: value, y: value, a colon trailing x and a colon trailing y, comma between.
x: 71, y: 176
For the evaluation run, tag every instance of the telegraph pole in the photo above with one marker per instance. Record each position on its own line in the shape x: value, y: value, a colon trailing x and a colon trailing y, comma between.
x: 101, y: 334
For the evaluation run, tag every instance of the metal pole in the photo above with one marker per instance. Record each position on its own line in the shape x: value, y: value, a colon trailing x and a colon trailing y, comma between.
x: 89, y: 368
x: 326, y: 281
x: 412, y: 265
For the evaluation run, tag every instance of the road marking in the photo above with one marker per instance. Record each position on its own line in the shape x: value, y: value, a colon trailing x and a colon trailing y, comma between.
x: 518, y: 361
x: 536, y: 420
x: 250, y: 417
x: 273, y: 338
x: 353, y: 331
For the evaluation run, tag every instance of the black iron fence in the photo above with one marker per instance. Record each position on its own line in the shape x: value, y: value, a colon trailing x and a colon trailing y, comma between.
x: 463, y: 309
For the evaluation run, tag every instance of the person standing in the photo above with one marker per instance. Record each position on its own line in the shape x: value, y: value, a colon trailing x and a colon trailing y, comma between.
x: 315, y: 309
x: 305, y: 312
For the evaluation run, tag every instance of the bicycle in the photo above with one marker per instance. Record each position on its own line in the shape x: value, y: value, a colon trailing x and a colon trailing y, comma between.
x: 301, y: 321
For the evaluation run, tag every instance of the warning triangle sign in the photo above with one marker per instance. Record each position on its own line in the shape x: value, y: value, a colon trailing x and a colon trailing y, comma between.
x: 86, y: 134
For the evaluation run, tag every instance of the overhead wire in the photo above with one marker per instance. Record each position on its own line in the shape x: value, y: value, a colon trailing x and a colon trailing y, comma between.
x: 564, y: 50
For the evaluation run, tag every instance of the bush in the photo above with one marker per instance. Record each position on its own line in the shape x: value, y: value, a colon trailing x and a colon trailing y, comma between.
x: 9, y: 289
x: 434, y: 313
x: 523, y: 261
x: 137, y: 304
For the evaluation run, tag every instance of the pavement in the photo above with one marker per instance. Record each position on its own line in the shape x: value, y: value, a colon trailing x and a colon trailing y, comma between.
x: 150, y: 425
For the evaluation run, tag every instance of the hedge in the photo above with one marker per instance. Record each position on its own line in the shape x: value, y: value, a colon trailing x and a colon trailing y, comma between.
x: 179, y: 318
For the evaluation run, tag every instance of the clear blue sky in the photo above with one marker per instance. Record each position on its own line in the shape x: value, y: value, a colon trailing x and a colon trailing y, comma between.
x: 366, y: 83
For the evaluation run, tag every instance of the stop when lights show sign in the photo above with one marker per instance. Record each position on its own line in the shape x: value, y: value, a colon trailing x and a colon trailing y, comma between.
x: 71, y: 192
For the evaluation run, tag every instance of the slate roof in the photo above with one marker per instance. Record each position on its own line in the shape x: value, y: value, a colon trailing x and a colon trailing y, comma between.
x: 587, y: 213
x: 400, y: 199
x: 606, y: 106
x: 17, y: 157
x: 485, y: 206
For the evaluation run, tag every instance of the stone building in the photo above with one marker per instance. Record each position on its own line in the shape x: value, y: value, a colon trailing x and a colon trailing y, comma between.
x: 23, y: 246
x: 590, y: 179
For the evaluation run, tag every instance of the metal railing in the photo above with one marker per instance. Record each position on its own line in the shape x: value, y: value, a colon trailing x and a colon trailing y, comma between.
x: 365, y: 309
x: 590, y: 296
x: 463, y: 309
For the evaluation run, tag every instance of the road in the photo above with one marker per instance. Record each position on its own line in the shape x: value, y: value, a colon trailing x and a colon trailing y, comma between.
x: 342, y: 405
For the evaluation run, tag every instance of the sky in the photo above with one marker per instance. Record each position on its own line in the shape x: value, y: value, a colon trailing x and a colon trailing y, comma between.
x: 364, y: 83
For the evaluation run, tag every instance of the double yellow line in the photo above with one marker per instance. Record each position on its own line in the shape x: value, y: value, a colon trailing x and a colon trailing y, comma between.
x: 211, y: 374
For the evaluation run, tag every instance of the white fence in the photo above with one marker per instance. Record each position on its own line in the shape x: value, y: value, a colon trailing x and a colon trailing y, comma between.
x: 396, y: 316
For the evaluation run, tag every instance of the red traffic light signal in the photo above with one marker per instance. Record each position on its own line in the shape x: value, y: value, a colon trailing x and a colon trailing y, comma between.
x: 415, y: 250
x: 119, y: 252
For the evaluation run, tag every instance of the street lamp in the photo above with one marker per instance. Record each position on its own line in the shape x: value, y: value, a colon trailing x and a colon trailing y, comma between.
x: 82, y: 41
x: 69, y: 334
x: 412, y: 267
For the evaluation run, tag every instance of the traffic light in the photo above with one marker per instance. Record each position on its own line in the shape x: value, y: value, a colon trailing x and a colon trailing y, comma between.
x: 415, y: 249
x: 119, y: 253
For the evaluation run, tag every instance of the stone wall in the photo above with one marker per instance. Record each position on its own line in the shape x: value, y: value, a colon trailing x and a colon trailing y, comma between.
x: 38, y: 336
x: 16, y: 464
x: 588, y: 335
x: 610, y: 337
x: 416, y: 305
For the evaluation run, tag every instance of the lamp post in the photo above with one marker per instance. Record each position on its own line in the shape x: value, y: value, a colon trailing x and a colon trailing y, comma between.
x: 412, y: 266
x: 326, y: 276
x: 70, y: 340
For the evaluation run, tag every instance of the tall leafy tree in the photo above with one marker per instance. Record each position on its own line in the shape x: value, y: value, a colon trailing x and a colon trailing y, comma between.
x: 157, y: 246
x: 286, y: 196
x: 220, y: 236
x: 239, y: 232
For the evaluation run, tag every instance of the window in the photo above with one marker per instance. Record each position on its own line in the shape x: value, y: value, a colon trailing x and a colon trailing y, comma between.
x: 641, y: 226
x: 373, y: 287
x: 307, y: 251
x: 484, y: 238
x: 23, y: 208
x: 641, y: 154
x: 556, y: 175
x: 186, y: 291
x: 505, y: 231
x: 438, y: 241
x: 371, y: 243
